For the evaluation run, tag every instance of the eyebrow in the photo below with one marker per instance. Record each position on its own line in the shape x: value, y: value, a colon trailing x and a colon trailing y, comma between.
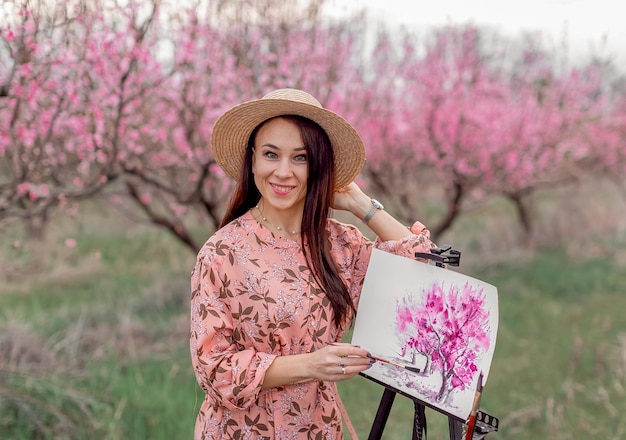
x: 278, y: 148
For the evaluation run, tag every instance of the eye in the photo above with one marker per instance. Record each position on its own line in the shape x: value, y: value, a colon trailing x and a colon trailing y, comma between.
x: 300, y: 158
x: 270, y: 154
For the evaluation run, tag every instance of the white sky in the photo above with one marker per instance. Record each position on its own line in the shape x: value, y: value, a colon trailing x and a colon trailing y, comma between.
x: 590, y: 26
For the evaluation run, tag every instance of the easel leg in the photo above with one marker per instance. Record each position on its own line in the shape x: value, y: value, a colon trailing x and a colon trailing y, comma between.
x: 419, y: 421
x: 384, y: 408
x: 456, y: 429
x: 489, y: 423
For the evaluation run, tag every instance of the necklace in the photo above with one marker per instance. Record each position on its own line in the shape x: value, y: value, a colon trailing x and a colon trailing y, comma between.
x: 278, y: 228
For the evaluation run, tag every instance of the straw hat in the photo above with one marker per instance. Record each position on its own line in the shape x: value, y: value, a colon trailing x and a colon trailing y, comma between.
x: 232, y: 130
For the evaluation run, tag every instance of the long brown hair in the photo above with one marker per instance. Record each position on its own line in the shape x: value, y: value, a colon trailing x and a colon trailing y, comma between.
x: 320, y: 190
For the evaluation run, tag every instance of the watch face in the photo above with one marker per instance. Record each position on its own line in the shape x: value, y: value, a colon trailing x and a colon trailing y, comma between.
x: 377, y: 204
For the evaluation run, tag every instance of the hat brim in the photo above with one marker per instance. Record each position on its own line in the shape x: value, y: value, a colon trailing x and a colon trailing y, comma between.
x: 232, y: 131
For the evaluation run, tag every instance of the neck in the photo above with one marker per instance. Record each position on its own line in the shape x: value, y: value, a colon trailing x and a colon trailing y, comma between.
x: 262, y: 218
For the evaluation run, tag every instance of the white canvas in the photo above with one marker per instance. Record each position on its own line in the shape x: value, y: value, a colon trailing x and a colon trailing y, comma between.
x: 423, y: 316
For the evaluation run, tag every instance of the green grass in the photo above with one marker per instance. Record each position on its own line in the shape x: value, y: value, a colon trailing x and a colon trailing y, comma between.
x: 559, y: 361
x: 104, y: 326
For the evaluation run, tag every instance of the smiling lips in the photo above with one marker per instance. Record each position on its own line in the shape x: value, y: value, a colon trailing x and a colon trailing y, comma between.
x: 282, y: 190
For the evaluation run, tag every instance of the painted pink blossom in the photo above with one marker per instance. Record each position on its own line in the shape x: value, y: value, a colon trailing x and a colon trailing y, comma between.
x: 449, y: 327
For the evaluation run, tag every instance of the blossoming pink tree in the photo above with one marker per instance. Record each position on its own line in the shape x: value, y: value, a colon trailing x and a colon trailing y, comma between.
x: 219, y: 61
x: 479, y: 121
x: 448, y: 327
x: 445, y: 94
x: 72, y: 113
x: 49, y: 137
x: 120, y: 101
x: 537, y: 130
x: 380, y: 114
x: 605, y: 139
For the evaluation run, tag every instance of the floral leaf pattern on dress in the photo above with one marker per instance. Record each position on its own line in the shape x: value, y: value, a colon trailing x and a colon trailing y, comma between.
x: 253, y: 298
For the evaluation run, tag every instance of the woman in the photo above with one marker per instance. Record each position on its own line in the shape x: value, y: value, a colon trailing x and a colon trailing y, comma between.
x: 274, y: 289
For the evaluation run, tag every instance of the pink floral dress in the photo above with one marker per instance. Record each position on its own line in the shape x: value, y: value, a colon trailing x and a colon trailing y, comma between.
x: 253, y: 299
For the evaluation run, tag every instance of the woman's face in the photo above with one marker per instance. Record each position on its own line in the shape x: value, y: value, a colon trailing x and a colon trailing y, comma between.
x: 280, y: 165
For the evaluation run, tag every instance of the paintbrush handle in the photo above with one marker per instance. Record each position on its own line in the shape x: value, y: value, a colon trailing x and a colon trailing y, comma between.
x: 390, y: 362
x: 387, y: 361
x: 471, y: 423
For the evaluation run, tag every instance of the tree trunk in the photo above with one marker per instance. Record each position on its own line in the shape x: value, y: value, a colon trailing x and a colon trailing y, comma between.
x: 524, y: 217
x: 454, y: 209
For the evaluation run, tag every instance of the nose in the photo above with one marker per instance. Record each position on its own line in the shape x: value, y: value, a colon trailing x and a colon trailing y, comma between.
x: 284, y: 168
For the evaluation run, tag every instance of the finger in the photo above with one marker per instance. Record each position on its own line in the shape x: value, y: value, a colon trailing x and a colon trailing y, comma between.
x: 356, y: 361
x: 344, y: 349
x: 348, y: 372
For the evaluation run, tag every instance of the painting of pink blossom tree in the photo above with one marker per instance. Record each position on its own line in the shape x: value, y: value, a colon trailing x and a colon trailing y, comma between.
x: 435, y: 327
x: 449, y: 327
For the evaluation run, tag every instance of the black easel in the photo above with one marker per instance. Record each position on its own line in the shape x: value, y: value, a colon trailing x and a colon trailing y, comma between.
x: 484, y: 422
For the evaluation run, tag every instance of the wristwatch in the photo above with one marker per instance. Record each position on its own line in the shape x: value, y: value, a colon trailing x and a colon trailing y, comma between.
x: 376, y: 205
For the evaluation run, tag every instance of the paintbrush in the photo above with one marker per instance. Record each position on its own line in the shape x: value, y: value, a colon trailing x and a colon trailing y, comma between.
x: 471, y: 422
x: 387, y: 361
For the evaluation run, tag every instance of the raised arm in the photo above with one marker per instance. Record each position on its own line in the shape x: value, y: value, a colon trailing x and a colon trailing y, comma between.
x: 383, y: 224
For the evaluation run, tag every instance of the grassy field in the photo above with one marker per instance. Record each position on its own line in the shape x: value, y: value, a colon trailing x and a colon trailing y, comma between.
x: 94, y: 340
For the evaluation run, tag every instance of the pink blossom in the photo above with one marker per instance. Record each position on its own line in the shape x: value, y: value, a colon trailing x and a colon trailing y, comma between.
x: 23, y: 188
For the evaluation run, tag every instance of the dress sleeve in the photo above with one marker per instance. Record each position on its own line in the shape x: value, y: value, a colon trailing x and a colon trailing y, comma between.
x: 419, y: 241
x: 229, y: 373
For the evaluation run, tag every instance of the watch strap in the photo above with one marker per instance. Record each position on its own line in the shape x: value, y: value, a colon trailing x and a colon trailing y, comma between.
x: 376, y: 205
